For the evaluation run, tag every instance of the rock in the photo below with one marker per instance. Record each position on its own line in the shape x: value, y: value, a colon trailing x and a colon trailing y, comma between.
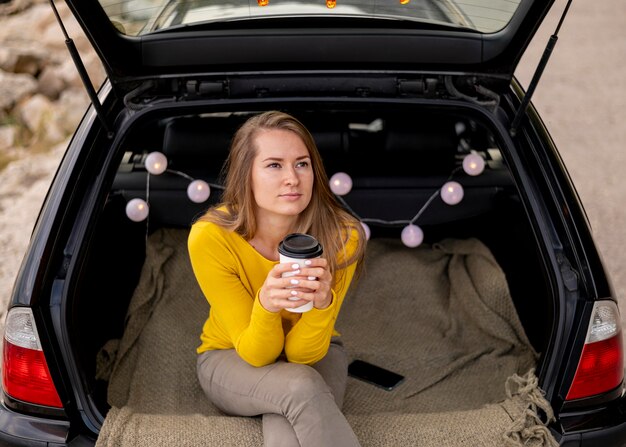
x: 41, y: 118
x: 14, y: 87
x: 68, y: 73
x: 51, y: 82
x: 8, y: 59
x: 23, y: 57
x: 14, y: 26
x: 34, y: 112
x: 53, y: 121
x: 71, y: 107
x: 27, y: 63
x: 14, y: 6
x: 8, y: 136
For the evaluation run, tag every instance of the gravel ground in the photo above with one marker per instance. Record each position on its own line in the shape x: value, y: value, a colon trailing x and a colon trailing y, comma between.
x: 582, y: 99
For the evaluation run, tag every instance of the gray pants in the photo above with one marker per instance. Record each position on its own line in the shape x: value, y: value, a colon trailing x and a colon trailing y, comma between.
x: 300, y: 404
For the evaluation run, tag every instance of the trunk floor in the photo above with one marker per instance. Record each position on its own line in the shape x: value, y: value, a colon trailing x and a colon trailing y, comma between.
x: 440, y: 315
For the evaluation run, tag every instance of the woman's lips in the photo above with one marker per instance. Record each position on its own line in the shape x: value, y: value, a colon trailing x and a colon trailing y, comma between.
x: 291, y: 196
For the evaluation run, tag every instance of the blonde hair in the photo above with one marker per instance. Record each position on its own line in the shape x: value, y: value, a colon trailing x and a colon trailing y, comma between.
x: 324, y: 218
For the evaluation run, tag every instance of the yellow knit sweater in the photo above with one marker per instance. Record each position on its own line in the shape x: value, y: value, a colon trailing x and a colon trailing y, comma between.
x: 230, y: 273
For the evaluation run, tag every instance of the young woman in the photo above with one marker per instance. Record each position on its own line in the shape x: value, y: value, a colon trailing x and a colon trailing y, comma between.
x: 257, y: 358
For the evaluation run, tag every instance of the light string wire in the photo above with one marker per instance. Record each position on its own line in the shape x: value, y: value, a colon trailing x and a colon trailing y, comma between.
x: 190, y: 178
x: 175, y: 172
x: 148, y: 204
x: 404, y: 221
x: 473, y: 168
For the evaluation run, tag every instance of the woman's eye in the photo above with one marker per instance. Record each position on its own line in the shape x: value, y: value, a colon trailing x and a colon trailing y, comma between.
x: 273, y: 165
x: 302, y: 164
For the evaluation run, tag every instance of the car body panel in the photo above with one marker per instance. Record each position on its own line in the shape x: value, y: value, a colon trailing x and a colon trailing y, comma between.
x: 23, y: 430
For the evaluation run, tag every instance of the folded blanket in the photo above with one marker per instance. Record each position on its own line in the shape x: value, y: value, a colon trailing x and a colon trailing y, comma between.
x: 441, y: 315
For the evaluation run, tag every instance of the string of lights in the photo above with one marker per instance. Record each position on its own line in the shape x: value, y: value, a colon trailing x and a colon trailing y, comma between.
x: 199, y: 191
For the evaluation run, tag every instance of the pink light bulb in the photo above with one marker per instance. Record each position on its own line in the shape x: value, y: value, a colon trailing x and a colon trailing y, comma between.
x: 412, y: 236
x: 340, y: 183
x: 452, y: 193
x: 473, y: 164
x: 137, y: 210
x: 367, y: 230
x: 156, y: 163
x: 198, y: 191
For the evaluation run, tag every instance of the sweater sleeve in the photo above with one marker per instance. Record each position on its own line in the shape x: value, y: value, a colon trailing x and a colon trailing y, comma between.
x: 255, y: 333
x: 309, y: 339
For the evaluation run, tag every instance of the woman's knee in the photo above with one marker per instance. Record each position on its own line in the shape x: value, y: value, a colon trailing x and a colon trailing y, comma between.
x: 202, y: 372
x: 303, y: 383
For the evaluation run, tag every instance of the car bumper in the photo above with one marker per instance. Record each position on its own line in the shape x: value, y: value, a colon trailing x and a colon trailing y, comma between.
x: 604, y: 427
x: 604, y: 437
x: 18, y: 429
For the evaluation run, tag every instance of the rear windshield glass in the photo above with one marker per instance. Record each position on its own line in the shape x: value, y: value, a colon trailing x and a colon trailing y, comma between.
x: 135, y: 17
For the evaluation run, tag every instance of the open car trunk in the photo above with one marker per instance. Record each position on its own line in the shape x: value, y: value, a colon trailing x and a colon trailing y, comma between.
x: 464, y: 317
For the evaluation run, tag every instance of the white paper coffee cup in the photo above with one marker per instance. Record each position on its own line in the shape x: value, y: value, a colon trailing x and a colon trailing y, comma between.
x: 296, y: 248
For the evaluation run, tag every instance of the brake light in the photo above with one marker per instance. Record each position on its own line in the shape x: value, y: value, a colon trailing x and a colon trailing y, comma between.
x: 601, y: 365
x: 25, y: 373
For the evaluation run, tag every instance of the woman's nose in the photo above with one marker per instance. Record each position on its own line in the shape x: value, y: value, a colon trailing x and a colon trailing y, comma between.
x: 291, y: 177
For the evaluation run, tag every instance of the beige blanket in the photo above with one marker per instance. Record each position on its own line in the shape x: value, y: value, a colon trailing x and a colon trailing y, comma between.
x: 442, y: 316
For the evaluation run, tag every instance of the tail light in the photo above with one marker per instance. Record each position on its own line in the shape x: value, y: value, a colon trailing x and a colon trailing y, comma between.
x: 25, y: 373
x: 601, y: 365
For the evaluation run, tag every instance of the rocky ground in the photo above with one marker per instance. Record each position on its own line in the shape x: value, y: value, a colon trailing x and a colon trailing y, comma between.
x: 582, y: 98
x: 41, y: 102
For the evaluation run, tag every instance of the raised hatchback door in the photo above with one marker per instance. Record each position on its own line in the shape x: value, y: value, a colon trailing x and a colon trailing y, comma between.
x: 144, y: 38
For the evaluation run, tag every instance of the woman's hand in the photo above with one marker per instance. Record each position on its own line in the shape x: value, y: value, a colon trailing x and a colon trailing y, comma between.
x: 309, y: 283
x: 317, y: 279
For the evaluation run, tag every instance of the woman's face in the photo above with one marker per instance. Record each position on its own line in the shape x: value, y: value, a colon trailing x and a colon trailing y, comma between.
x: 282, y: 174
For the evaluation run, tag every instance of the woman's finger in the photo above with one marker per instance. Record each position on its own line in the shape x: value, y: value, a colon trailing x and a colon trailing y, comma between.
x: 287, y: 267
x: 314, y: 272
x: 303, y: 283
x: 316, y: 262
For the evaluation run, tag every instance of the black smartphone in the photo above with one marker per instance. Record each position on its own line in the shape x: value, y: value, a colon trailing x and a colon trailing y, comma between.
x: 375, y: 375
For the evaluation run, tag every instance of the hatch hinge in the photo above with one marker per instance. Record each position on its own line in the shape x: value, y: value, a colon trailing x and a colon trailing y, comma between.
x: 521, y: 111
x: 134, y: 101
x: 484, y: 97
x: 82, y: 71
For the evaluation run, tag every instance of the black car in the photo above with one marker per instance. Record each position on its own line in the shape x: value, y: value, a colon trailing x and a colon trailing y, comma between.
x: 482, y: 286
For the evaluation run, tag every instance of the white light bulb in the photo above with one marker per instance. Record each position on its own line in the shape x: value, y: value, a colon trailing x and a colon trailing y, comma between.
x: 198, y: 191
x: 412, y: 236
x: 156, y: 163
x: 367, y: 230
x: 473, y: 164
x: 340, y: 183
x: 137, y: 210
x: 452, y: 193
x: 459, y: 127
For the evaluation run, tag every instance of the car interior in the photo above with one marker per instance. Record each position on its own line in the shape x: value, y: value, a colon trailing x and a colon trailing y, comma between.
x: 397, y: 158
